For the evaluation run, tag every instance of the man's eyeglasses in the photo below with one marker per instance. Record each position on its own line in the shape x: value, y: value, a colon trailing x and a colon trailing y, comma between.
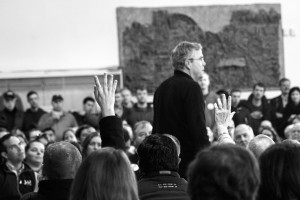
x: 202, y: 59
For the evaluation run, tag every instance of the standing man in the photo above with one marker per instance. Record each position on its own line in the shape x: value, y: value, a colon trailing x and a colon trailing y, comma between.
x: 58, y: 119
x: 179, y: 103
x: 32, y: 114
x: 278, y: 104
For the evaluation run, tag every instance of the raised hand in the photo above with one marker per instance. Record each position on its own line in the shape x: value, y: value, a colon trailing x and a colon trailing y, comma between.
x: 223, y: 114
x: 105, y: 95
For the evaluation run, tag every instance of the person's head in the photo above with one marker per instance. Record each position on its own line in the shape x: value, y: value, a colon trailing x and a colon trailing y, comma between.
x: 118, y: 97
x: 88, y: 104
x: 12, y: 149
x: 44, y: 140
x: 294, y: 96
x: 265, y: 124
x: 258, y: 91
x: 222, y: 91
x: 118, y: 110
x: 158, y: 153
x: 141, y: 94
x: 141, y: 130
x: 127, y: 96
x: 9, y: 100
x: 204, y: 81
x: 188, y: 57
x: 280, y: 172
x: 34, y: 152
x: 50, y: 133
x: 105, y: 174
x: 288, y: 131
x: 91, y: 143
x: 295, y: 132
x: 3, y: 131
x: 69, y: 135
x: 33, y: 134
x: 57, y: 102
x: 284, y: 85
x: 235, y: 97
x: 243, y: 133
x: 270, y: 132
x: 33, y: 99
x: 83, y: 131
x: 259, y: 144
x: 223, y: 172
x: 61, y: 161
x: 21, y: 137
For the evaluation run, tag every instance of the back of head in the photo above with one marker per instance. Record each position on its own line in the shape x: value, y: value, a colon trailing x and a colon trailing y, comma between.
x: 259, y: 144
x: 223, y: 172
x: 105, y: 174
x: 158, y: 153
x: 280, y: 172
x: 61, y: 161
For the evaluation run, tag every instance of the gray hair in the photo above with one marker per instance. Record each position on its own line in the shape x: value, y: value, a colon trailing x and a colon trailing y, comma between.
x: 259, y: 144
x: 182, y: 52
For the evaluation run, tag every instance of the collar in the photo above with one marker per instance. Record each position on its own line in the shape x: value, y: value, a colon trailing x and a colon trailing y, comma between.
x: 12, y: 168
x: 181, y: 73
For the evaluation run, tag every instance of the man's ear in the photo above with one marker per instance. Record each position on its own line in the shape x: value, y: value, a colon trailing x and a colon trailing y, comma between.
x: 187, y: 64
x: 4, y: 155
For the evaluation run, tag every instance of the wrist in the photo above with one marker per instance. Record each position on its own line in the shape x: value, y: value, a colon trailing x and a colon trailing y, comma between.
x: 222, y: 129
x: 108, y: 112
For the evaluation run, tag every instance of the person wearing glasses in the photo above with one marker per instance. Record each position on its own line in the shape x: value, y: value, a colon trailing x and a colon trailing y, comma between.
x: 179, y: 103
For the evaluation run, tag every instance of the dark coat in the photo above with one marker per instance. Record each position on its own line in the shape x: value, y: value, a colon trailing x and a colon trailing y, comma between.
x: 51, y: 189
x: 179, y: 111
x: 277, y: 107
x: 11, y: 120
x: 157, y: 186
x: 31, y: 119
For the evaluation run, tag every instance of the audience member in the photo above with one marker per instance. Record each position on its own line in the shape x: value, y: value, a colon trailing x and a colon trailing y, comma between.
x: 243, y: 133
x: 91, y: 143
x: 105, y: 174
x: 16, y: 178
x: 127, y: 98
x: 278, y: 104
x: 179, y: 103
x: 44, y: 140
x: 69, y: 135
x: 223, y: 172
x: 11, y: 117
x: 271, y: 133
x: 141, y: 110
x: 32, y: 114
x: 292, y: 109
x: 295, y: 132
x: 288, y: 131
x: 61, y: 162
x: 50, y: 133
x: 83, y: 131
x: 280, y: 172
x: 259, y: 144
x: 255, y: 109
x: 210, y: 98
x: 222, y: 91
x: 159, y: 164
x: 57, y: 119
x: 19, y: 103
x: 33, y: 134
x: 235, y: 99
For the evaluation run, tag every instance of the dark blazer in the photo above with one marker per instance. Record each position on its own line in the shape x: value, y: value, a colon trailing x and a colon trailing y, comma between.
x: 179, y: 111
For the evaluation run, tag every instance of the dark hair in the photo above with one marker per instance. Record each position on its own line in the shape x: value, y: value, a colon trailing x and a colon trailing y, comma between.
x: 235, y: 90
x: 105, y: 174
x: 156, y: 153
x: 48, y: 129
x: 280, y: 172
x: 61, y: 161
x: 283, y: 80
x: 2, y: 140
x: 141, y: 87
x: 86, y: 99
x: 67, y: 130
x: 293, y: 89
x: 276, y: 138
x: 27, y: 147
x: 31, y: 93
x: 86, y: 143
x: 223, y: 91
x: 259, y: 84
x: 80, y: 129
x: 223, y: 172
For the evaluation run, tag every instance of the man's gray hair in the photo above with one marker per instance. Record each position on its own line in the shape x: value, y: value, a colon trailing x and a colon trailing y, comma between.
x: 182, y: 52
x: 259, y: 144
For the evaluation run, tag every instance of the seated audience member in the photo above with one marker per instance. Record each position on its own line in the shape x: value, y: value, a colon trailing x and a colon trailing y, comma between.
x: 127, y: 98
x: 243, y: 134
x: 235, y: 99
x: 69, y: 135
x: 223, y: 172
x: 142, y: 110
x: 292, y: 109
x: 259, y: 144
x: 288, y: 131
x: 19, y: 103
x: 16, y: 178
x: 295, y: 132
x: 270, y: 132
x: 34, y: 158
x: 105, y: 174
x: 91, y: 143
x: 159, y: 163
x: 50, y: 133
x: 44, y: 140
x: 58, y: 119
x: 34, y: 113
x: 83, y: 131
x: 141, y: 130
x: 11, y: 117
x: 87, y: 115
x: 61, y: 162
x: 33, y: 134
x: 280, y: 172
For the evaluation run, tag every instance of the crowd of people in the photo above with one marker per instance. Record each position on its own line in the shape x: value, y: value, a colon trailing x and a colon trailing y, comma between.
x: 189, y: 143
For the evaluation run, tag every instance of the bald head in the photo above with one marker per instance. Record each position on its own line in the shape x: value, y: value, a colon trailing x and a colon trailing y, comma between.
x: 295, y: 132
x: 61, y: 161
x: 243, y: 134
x: 259, y: 144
